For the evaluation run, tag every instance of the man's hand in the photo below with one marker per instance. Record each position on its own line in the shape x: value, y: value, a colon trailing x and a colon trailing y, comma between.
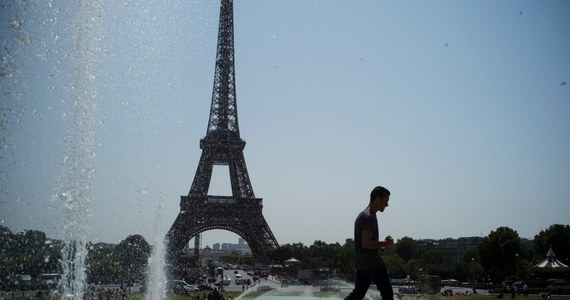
x: 369, y: 243
x: 387, y: 242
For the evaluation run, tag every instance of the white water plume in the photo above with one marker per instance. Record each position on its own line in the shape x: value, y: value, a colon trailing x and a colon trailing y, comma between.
x: 79, y: 162
x: 156, y: 275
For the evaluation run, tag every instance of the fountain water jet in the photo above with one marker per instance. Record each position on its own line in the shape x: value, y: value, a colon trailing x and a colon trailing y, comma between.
x: 78, y: 165
x: 156, y: 280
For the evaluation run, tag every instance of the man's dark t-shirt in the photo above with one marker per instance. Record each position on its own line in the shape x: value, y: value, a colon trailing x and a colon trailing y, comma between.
x: 366, y: 259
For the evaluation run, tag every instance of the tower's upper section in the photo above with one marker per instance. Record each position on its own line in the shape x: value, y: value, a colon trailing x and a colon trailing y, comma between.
x: 223, y: 122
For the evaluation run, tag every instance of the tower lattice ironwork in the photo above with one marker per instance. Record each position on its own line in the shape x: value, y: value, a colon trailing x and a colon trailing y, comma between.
x: 241, y: 212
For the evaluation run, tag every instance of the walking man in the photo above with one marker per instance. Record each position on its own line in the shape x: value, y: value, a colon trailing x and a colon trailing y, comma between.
x: 370, y: 268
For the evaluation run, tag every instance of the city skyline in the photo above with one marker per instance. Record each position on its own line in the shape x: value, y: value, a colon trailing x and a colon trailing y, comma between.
x: 224, y: 238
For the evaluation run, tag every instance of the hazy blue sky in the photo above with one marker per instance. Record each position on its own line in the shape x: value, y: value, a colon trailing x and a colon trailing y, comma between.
x: 460, y: 108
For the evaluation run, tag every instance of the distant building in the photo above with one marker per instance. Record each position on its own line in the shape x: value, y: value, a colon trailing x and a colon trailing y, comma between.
x: 453, y: 250
x: 242, y: 247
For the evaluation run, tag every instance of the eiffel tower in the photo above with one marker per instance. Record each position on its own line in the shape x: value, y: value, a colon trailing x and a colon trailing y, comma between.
x: 222, y: 145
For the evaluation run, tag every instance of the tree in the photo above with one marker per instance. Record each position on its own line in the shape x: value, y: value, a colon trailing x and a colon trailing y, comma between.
x: 30, y: 254
x: 413, y: 267
x: 323, y: 254
x: 296, y: 250
x: 346, y: 257
x: 557, y: 236
x: 52, y: 257
x: 102, y: 265
x: 407, y: 248
x: 7, y: 241
x: 431, y: 256
x: 132, y: 256
x: 396, y: 265
x: 471, y: 253
x: 499, y: 252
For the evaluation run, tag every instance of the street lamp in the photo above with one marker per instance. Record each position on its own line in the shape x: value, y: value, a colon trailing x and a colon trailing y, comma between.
x: 420, y: 281
x: 473, y: 270
x: 517, y: 261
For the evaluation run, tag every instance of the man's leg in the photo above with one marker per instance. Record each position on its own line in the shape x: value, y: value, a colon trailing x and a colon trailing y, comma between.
x: 360, y: 286
x: 382, y: 280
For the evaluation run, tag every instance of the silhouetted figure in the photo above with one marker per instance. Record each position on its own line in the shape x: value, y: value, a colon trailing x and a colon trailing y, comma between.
x: 370, y: 267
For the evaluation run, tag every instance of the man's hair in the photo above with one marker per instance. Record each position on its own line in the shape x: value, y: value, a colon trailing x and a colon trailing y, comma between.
x: 378, y: 191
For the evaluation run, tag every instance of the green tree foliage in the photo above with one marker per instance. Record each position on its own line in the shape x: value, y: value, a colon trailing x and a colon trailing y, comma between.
x: 413, y: 267
x: 295, y: 250
x: 557, y: 236
x: 471, y: 254
x: 499, y: 252
x: 407, y: 248
x: 30, y: 252
x: 30, y: 255
x: 430, y: 256
x: 34, y: 255
x: 396, y: 265
x: 52, y: 257
x: 132, y: 255
x: 27, y: 252
x: 102, y: 265
x: 7, y: 250
x: 319, y: 255
x: 346, y: 257
x: 322, y: 254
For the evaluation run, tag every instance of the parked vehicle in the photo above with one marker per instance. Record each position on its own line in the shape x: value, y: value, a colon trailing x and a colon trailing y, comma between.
x: 20, y: 279
x: 180, y: 286
x: 204, y: 287
x: 225, y: 281
x: 451, y: 282
x: 49, y: 279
